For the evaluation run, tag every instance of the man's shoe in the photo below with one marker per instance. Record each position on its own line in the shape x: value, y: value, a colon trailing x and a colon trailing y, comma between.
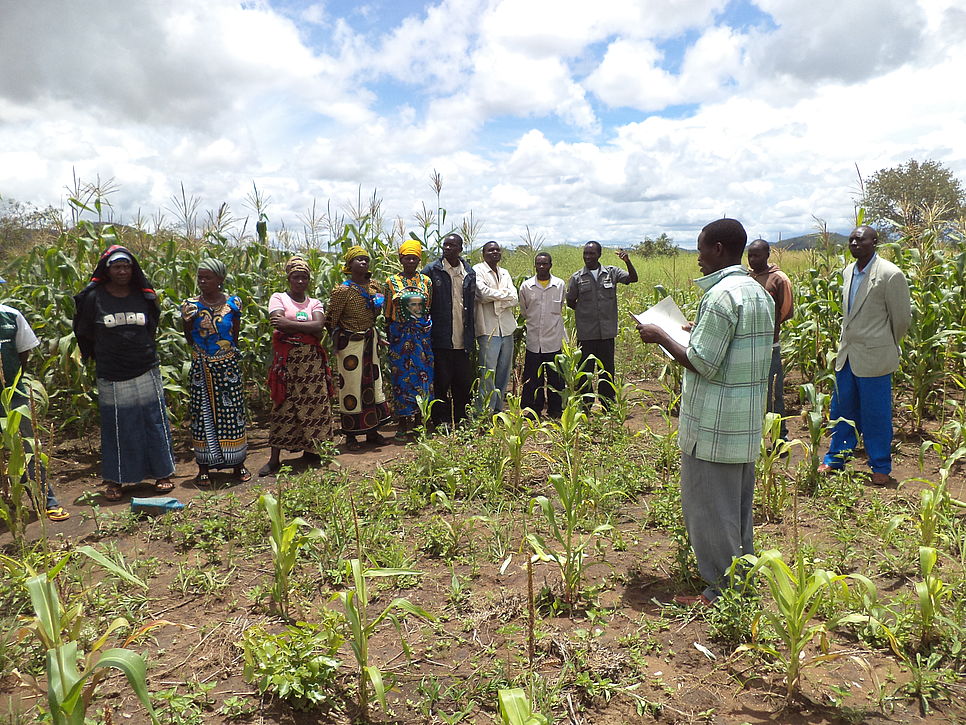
x: 826, y: 469
x: 882, y: 479
x: 692, y: 600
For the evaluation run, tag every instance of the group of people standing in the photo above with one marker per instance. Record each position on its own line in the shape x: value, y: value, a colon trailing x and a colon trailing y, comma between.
x: 434, y: 319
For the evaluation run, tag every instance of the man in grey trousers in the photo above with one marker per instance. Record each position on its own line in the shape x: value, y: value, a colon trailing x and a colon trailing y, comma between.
x: 722, y: 404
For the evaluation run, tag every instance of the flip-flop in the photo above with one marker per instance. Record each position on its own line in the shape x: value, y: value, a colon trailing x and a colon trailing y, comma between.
x: 244, y: 475
x: 202, y: 480
x: 163, y: 485
x: 113, y: 492
x: 57, y: 513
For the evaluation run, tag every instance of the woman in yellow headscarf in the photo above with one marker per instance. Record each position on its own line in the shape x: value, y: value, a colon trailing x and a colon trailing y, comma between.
x: 408, y: 298
x: 353, y: 309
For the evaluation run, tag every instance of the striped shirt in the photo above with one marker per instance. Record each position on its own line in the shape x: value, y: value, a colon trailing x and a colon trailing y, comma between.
x: 723, y: 404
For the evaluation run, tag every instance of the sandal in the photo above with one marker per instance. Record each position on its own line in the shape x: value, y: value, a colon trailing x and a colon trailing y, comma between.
x: 113, y: 492
x: 57, y: 513
x: 353, y: 445
x: 243, y: 474
x: 203, y: 480
x: 163, y: 485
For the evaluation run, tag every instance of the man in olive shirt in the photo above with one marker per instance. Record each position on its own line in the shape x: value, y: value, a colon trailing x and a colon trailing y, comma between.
x: 592, y: 295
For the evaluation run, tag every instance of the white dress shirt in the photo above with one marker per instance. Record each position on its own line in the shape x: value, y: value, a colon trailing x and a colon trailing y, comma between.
x: 496, y: 297
x: 542, y: 308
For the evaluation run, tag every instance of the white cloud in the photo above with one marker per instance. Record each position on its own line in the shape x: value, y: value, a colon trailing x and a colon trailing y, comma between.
x: 513, y: 101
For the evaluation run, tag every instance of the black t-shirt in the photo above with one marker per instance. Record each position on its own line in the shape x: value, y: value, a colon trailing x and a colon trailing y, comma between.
x: 123, y: 336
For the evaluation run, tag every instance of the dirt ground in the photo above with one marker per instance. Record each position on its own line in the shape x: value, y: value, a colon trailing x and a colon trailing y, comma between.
x: 686, y: 676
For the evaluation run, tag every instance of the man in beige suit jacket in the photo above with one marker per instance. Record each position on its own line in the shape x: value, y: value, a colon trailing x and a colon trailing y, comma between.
x: 877, y: 315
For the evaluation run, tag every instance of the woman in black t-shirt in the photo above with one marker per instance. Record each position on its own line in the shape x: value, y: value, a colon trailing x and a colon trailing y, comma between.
x: 115, y: 323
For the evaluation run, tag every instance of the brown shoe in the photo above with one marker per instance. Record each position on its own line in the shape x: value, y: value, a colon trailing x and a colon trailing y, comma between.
x: 825, y: 469
x: 882, y: 479
x: 692, y: 600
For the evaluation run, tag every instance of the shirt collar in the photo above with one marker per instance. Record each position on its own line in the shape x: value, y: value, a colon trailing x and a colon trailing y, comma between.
x: 710, y: 280
x: 856, y: 270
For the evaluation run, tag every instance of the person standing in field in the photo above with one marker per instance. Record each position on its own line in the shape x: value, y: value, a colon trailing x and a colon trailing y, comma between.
x: 592, y: 295
x: 496, y: 300
x: 409, y: 329
x: 216, y: 406
x: 722, y: 404
x: 454, y: 332
x: 777, y: 284
x: 299, y: 379
x: 17, y: 339
x: 878, y: 312
x: 354, y: 307
x: 541, y: 302
x: 115, y: 323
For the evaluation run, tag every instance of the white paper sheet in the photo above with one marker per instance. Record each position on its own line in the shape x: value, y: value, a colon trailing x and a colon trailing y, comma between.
x: 668, y: 316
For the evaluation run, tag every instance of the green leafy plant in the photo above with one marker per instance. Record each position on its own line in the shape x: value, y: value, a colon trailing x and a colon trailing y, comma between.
x: 355, y: 603
x: 513, y: 427
x: 774, y: 478
x: 300, y: 664
x: 73, y: 676
x: 515, y: 709
x: 287, y: 538
x: 17, y: 495
x: 798, y: 595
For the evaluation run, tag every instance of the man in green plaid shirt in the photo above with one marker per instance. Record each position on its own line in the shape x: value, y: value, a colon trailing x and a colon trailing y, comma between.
x: 722, y: 403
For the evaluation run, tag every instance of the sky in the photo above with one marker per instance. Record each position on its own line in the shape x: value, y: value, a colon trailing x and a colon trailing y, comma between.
x: 573, y: 119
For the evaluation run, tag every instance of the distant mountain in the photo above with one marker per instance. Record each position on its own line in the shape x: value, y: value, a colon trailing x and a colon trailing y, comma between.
x: 809, y: 241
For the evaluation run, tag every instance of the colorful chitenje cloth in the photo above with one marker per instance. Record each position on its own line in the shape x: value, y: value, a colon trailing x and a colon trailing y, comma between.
x: 135, y: 437
x: 410, y: 344
x: 353, y: 309
x: 300, y: 384
x: 216, y: 405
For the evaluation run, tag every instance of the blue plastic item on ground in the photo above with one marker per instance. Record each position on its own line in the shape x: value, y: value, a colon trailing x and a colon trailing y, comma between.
x: 155, y: 505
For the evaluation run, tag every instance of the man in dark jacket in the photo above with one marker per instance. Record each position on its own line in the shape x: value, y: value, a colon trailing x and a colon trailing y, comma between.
x: 454, y: 294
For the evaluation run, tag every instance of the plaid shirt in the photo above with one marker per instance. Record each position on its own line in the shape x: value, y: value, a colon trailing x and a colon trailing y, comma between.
x: 723, y: 404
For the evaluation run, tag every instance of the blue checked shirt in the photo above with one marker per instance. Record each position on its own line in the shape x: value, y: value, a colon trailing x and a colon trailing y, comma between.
x: 723, y: 404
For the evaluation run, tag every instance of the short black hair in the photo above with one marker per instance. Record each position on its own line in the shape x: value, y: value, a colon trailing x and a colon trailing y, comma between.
x: 760, y: 242
x: 486, y: 244
x: 600, y: 249
x: 543, y: 254
x: 729, y: 233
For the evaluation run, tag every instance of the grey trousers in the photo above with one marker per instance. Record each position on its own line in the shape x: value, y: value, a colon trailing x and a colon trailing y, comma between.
x: 776, y: 387
x: 717, y: 500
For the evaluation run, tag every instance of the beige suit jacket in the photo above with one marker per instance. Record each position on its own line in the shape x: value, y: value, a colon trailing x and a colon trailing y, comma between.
x: 879, y: 319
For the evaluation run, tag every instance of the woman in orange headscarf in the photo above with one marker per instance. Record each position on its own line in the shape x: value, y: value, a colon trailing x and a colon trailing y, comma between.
x: 408, y: 298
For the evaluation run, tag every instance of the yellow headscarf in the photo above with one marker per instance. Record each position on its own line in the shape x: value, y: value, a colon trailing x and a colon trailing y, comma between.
x: 411, y: 246
x: 297, y: 264
x: 352, y: 254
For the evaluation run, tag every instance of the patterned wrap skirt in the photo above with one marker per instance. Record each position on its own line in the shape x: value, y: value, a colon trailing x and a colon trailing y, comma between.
x: 362, y: 403
x: 304, y: 418
x: 217, y: 409
x: 135, y: 436
x: 410, y: 364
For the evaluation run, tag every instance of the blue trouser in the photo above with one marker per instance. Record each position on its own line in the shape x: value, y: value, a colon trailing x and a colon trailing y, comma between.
x: 717, y: 500
x: 868, y: 403
x: 496, y: 359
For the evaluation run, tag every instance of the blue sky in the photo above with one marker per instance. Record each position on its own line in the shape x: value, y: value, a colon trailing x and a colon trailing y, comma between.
x: 609, y: 120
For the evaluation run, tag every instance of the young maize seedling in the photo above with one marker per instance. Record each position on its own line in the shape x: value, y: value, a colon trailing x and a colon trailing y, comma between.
x: 515, y: 709
x: 287, y: 538
x: 355, y: 603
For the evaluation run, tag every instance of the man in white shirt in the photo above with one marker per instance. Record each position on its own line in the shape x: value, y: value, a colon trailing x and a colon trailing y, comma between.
x: 541, y: 302
x: 496, y: 298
